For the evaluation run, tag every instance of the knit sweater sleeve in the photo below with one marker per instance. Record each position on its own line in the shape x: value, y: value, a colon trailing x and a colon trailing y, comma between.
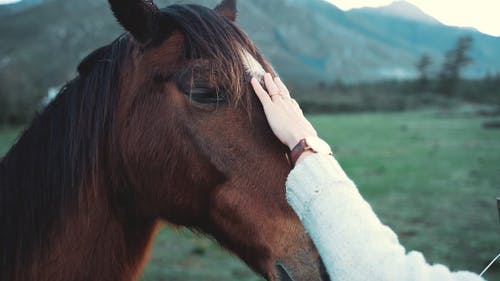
x: 350, y: 238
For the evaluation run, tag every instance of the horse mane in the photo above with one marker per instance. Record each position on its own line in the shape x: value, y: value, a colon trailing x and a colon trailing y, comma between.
x: 41, y: 176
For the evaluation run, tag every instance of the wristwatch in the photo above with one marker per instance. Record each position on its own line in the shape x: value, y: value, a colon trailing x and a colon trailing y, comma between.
x: 313, y: 144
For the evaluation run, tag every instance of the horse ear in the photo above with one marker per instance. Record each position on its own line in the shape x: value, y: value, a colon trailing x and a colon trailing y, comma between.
x: 227, y: 9
x: 139, y: 17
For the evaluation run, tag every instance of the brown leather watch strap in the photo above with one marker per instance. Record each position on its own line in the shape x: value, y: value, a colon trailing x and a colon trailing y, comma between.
x: 297, y: 151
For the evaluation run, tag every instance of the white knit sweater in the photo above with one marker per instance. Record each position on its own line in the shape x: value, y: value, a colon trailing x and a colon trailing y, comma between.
x: 354, y: 244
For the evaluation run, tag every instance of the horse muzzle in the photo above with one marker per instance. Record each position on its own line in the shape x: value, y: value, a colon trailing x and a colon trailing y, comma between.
x: 303, y: 268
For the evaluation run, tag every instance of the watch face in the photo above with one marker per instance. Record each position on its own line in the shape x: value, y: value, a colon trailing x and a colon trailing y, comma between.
x: 318, y: 145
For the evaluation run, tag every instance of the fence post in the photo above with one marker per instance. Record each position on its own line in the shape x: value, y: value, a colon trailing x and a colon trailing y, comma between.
x: 498, y: 206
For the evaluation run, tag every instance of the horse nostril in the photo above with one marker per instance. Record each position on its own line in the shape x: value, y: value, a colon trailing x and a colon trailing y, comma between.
x: 283, y: 274
x: 322, y: 269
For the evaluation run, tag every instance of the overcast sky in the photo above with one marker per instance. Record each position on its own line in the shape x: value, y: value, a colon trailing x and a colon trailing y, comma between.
x: 480, y: 14
x: 483, y: 15
x: 8, y: 1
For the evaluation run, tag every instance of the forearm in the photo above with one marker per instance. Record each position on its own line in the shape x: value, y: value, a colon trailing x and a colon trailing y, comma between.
x: 352, y: 241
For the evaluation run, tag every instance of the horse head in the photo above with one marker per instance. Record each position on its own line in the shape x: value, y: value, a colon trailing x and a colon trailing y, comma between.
x: 191, y: 140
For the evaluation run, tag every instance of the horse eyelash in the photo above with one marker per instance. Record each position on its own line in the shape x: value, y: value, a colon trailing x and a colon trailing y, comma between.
x: 221, y: 97
x: 162, y: 78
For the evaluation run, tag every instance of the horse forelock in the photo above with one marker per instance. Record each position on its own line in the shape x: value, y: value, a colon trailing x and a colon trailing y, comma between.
x: 231, y: 57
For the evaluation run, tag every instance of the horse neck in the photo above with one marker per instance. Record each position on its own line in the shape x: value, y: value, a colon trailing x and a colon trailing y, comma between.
x: 57, y: 215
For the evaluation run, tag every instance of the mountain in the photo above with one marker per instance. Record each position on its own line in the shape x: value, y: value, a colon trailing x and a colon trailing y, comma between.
x: 428, y: 37
x: 307, y: 41
x: 404, y: 10
x: 13, y: 8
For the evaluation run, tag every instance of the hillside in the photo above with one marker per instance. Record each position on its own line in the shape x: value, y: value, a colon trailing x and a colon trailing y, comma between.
x: 307, y: 40
x: 423, y: 35
x: 13, y: 8
x: 404, y: 10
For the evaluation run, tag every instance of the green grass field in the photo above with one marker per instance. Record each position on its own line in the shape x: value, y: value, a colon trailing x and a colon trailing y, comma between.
x: 431, y: 175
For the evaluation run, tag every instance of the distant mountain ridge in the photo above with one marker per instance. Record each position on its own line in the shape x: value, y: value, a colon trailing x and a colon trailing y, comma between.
x: 430, y: 38
x: 404, y: 10
x: 13, y: 8
x: 308, y: 41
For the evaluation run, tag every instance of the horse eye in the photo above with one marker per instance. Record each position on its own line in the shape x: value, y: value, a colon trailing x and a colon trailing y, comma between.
x: 207, y: 95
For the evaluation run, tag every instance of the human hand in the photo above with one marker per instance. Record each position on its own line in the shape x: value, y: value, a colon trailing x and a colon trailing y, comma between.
x: 283, y: 113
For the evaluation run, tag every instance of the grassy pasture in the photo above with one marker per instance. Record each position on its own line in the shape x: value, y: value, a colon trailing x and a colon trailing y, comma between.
x: 431, y: 175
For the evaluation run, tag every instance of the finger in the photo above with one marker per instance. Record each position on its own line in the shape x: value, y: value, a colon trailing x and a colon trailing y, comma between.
x: 260, y: 92
x: 296, y: 104
x: 282, y: 87
x: 272, y: 88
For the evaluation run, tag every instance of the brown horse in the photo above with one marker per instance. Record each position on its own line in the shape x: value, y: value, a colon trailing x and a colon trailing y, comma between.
x: 160, y: 125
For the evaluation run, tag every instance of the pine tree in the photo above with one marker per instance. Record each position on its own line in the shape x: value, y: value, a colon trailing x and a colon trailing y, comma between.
x: 423, y: 68
x: 456, y: 60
